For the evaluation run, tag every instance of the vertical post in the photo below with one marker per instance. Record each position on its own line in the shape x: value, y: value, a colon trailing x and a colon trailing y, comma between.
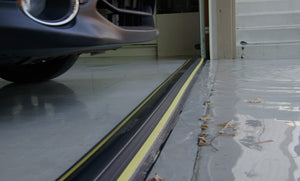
x: 213, y: 35
x: 226, y: 29
x: 202, y: 28
x: 222, y: 29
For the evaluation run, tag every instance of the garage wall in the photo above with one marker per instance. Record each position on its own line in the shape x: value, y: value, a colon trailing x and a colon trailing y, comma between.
x: 179, y: 33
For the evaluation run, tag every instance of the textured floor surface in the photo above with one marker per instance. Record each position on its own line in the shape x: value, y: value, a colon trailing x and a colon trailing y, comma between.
x: 47, y: 127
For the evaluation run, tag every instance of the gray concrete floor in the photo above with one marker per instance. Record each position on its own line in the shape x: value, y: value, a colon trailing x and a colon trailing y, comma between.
x: 262, y: 97
x: 177, y: 159
x: 46, y: 127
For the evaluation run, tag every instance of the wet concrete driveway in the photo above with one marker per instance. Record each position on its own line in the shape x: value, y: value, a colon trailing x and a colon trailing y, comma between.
x: 262, y: 98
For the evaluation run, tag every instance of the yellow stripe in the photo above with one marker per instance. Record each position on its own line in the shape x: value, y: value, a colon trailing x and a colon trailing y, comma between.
x: 84, y: 159
x: 138, y: 158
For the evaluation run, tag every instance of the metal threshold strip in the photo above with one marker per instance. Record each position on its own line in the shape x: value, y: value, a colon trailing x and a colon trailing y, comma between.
x: 130, y: 149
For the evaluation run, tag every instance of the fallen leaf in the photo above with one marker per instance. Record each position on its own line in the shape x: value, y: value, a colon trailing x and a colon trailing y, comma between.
x: 229, y: 125
x: 203, y: 135
x: 206, y: 117
x: 257, y: 100
x: 261, y: 142
x: 204, y: 126
x: 202, y: 141
x: 226, y: 125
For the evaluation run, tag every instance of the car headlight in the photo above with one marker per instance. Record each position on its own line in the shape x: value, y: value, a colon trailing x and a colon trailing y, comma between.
x: 50, y: 12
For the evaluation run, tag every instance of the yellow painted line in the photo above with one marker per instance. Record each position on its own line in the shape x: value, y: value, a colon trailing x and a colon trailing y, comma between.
x: 138, y: 158
x: 93, y: 151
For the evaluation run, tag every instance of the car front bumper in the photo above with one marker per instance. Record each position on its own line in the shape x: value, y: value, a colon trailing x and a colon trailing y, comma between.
x: 88, y: 32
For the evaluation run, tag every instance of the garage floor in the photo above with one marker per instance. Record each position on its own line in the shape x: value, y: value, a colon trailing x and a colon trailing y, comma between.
x: 259, y: 101
x: 47, y: 127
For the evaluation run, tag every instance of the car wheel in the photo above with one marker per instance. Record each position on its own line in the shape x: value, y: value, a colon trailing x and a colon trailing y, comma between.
x: 38, y: 69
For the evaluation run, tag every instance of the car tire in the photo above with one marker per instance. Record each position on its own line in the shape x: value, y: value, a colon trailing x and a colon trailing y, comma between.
x: 38, y: 70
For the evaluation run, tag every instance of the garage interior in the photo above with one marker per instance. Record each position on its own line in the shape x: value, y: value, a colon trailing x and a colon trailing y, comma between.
x: 248, y: 82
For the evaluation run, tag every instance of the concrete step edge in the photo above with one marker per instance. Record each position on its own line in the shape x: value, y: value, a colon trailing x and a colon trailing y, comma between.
x: 276, y: 27
x: 269, y: 13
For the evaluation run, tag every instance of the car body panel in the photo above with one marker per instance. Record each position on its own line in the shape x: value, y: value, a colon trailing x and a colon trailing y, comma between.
x: 88, y: 32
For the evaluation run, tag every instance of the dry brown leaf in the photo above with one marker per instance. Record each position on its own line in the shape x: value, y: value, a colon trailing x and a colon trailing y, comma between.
x: 206, y: 117
x: 261, y: 142
x: 204, y: 126
x: 257, y: 100
x: 203, y: 135
x: 227, y: 125
x: 156, y: 178
x: 202, y: 141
